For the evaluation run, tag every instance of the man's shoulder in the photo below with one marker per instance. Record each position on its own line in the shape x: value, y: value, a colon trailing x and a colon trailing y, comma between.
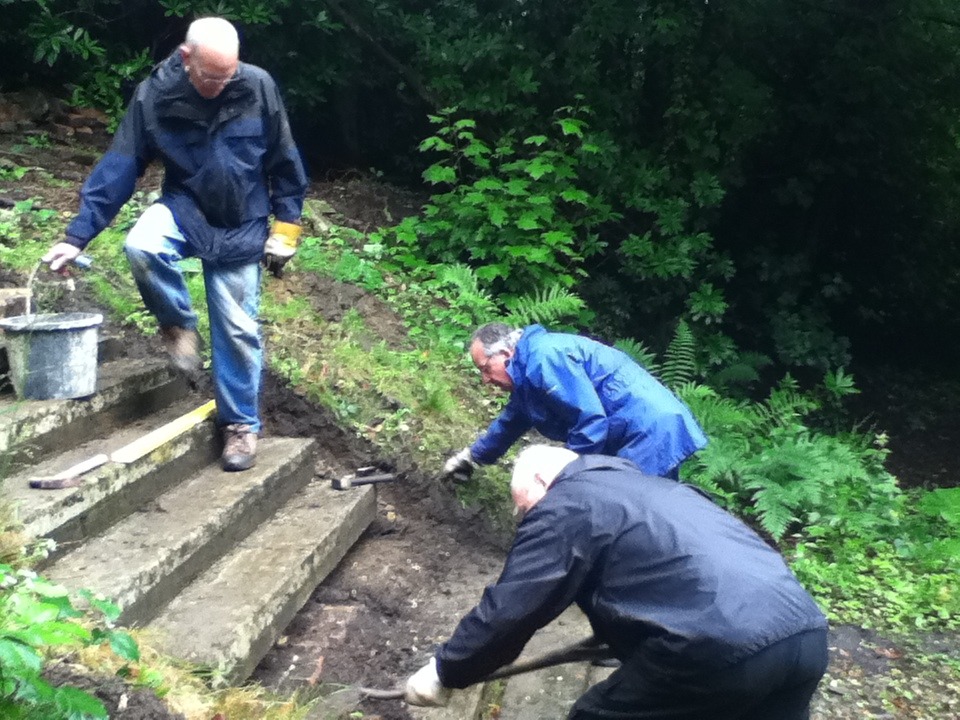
x: 257, y: 74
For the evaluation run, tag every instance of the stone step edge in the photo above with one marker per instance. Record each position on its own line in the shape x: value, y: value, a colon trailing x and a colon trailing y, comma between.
x: 230, y: 616
x: 121, y: 386
x: 143, y: 561
x: 114, y: 490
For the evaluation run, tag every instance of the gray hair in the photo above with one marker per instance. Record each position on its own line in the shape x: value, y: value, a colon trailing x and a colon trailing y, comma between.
x: 544, y: 460
x: 213, y: 32
x: 496, y: 337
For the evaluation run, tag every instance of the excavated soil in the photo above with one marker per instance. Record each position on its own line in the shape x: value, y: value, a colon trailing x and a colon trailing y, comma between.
x: 425, y: 560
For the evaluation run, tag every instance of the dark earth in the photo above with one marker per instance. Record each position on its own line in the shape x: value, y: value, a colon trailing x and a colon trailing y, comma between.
x: 424, y: 561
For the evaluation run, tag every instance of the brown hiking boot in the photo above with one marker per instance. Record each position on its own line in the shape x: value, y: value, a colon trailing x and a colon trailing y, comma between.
x: 239, y: 448
x: 183, y: 347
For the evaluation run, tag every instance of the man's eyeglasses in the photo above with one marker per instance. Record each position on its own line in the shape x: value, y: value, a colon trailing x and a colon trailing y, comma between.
x: 212, y: 80
x: 483, y: 367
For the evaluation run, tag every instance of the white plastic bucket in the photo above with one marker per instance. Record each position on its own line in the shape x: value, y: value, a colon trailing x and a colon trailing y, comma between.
x: 52, y: 356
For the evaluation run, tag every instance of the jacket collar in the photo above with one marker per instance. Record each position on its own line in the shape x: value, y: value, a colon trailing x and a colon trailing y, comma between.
x: 516, y: 367
x: 589, y: 463
x: 175, y: 97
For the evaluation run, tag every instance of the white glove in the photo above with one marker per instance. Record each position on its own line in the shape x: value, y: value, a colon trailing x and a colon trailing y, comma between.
x: 60, y: 254
x: 425, y: 689
x: 462, y: 464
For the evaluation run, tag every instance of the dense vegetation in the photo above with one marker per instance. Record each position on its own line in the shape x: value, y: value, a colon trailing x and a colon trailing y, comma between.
x: 782, y: 174
x: 751, y: 198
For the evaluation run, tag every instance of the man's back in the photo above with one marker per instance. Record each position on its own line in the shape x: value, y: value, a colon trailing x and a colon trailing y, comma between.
x: 599, y: 401
x: 671, y: 572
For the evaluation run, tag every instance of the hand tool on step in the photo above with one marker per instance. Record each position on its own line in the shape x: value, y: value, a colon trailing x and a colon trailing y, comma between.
x: 71, y: 476
x: 588, y: 650
x: 363, y: 476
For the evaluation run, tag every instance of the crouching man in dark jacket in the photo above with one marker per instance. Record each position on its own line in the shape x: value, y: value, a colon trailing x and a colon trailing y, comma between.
x: 705, y: 617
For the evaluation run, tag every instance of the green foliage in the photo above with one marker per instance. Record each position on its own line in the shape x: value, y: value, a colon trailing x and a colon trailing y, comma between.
x: 516, y: 210
x: 37, y: 616
x: 54, y: 35
x: 639, y: 352
x: 103, y: 84
x: 548, y: 307
x: 679, y: 365
x: 902, y: 580
x: 765, y: 459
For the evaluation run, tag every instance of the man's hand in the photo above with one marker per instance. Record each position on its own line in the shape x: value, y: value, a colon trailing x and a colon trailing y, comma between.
x: 60, y: 255
x: 281, y: 246
x: 460, y: 467
x: 425, y: 689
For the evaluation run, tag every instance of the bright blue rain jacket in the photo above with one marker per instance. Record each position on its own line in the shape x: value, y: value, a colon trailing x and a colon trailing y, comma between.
x: 228, y: 163
x: 596, y: 400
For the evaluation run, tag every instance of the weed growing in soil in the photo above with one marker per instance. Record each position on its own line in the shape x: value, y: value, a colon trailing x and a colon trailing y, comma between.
x: 37, y: 617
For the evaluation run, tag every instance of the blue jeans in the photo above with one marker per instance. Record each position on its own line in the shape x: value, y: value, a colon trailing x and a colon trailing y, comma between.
x: 154, y: 246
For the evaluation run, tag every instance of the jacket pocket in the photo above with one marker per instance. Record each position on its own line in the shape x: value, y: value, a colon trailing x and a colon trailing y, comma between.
x: 243, y: 140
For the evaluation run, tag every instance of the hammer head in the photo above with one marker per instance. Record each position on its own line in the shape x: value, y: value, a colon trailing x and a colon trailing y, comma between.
x: 344, y: 483
x: 354, y: 479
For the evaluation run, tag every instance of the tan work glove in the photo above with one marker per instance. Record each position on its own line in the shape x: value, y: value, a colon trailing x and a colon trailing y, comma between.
x: 281, y: 246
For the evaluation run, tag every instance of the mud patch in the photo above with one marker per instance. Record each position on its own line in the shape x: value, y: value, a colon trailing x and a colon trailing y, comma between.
x: 120, y: 699
x: 332, y: 300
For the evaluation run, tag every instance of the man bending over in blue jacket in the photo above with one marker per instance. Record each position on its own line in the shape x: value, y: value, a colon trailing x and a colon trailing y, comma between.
x: 705, y: 617
x: 588, y: 395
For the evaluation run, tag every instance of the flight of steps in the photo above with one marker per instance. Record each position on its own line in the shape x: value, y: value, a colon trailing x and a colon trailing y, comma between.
x: 216, y: 564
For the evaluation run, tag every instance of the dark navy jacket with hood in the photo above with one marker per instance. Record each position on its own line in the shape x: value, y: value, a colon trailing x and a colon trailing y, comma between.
x: 229, y: 163
x: 667, y: 578
x: 595, y: 399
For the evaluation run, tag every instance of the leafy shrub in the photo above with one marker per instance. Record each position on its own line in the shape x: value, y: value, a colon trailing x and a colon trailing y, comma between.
x: 37, y: 616
x: 516, y: 210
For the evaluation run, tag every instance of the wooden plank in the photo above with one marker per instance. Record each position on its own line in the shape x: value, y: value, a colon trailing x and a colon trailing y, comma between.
x: 152, y: 440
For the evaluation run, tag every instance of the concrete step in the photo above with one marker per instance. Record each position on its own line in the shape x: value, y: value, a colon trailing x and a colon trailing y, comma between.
x: 231, y: 615
x: 551, y: 692
x: 142, y: 562
x: 112, y: 491
x: 127, y: 389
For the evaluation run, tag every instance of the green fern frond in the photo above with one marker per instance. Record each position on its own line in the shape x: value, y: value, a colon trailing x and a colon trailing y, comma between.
x: 546, y: 306
x: 640, y: 353
x: 774, y: 513
x: 679, y: 362
x: 787, y: 404
x: 461, y: 277
x: 721, y: 415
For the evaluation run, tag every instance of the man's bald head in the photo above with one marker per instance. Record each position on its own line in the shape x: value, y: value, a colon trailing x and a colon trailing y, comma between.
x: 534, y: 471
x: 213, y: 33
x: 211, y: 55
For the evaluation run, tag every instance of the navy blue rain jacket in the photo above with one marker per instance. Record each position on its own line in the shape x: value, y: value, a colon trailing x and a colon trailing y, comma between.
x: 229, y: 163
x: 595, y: 399
x: 666, y: 577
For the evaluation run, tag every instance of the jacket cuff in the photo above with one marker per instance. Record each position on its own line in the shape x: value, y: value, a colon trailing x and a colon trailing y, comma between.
x: 76, y: 242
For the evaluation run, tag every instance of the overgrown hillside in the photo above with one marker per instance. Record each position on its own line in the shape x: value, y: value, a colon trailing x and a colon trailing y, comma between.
x: 364, y: 326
